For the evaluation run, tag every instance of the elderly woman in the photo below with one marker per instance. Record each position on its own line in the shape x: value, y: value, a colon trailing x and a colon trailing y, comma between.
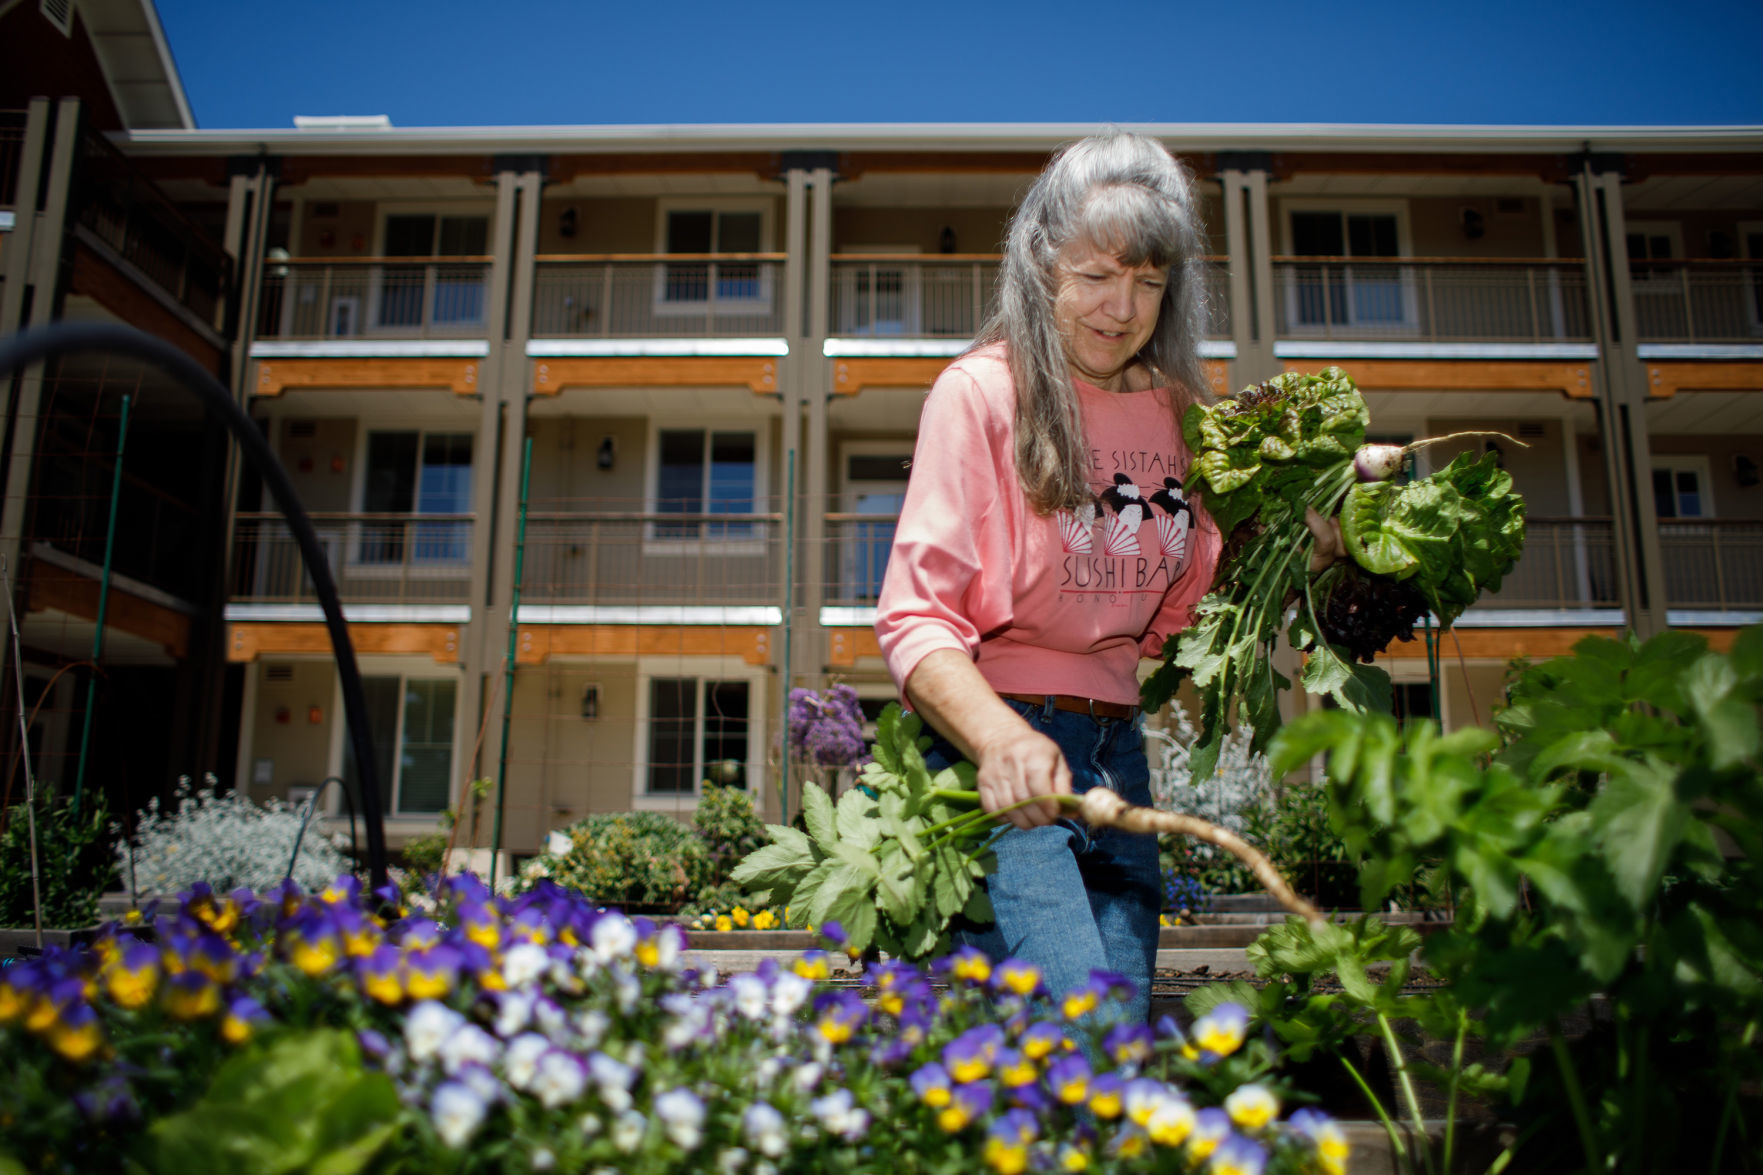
x: 1046, y: 544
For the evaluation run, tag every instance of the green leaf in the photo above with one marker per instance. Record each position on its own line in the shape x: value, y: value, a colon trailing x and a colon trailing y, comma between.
x: 858, y: 820
x: 854, y: 910
x: 817, y: 814
x: 771, y: 867
x: 808, y: 891
x: 837, y: 890
x: 1638, y: 820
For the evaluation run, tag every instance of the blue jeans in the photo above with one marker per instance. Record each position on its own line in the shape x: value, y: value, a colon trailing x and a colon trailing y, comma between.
x: 1067, y: 898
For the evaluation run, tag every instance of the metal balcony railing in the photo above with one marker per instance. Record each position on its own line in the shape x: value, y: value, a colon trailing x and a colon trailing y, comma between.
x: 375, y: 558
x: 944, y: 296
x: 156, y: 534
x: 1567, y: 563
x: 856, y: 557
x: 130, y: 215
x: 1713, y: 564
x: 658, y: 295
x: 385, y: 297
x: 1697, y: 301
x: 1431, y: 299
x: 649, y: 558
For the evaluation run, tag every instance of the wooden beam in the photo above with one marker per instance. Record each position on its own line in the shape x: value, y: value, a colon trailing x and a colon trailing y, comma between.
x: 851, y: 376
x: 1665, y: 380
x: 98, y: 280
x: 57, y: 589
x: 539, y: 642
x: 249, y: 640
x: 275, y: 376
x: 756, y: 372
x: 845, y: 645
x: 1572, y: 380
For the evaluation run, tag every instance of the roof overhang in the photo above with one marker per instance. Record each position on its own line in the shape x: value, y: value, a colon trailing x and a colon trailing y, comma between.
x: 131, y: 46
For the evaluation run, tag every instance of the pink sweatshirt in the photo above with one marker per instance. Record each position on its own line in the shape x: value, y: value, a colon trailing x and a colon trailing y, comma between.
x: 1064, y: 603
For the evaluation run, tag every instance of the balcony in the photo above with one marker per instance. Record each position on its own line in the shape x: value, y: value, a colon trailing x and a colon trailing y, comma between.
x: 1698, y: 301
x: 126, y: 216
x: 375, y: 559
x: 1567, y: 563
x: 658, y: 295
x: 1431, y: 299
x: 856, y: 557
x: 156, y: 534
x: 907, y: 296
x: 1713, y: 564
x: 632, y: 559
x: 438, y: 298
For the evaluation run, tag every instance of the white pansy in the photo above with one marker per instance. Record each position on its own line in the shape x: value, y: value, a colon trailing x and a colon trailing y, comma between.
x: 543, y: 1159
x: 523, y: 964
x: 613, y: 937
x: 838, y: 1114
x: 481, y: 1082
x: 627, y: 991
x: 590, y: 1125
x: 765, y: 1130
x: 614, y: 1079
x: 750, y: 995
x: 427, y: 1026
x: 513, y: 1012
x: 627, y: 1131
x: 521, y: 1060
x: 591, y: 1026
x: 469, y: 1045
x: 457, y: 1112
x: 789, y: 992
x: 559, y: 1080
x: 551, y: 1019
x: 682, y: 1116
x: 731, y: 1160
x: 807, y: 1076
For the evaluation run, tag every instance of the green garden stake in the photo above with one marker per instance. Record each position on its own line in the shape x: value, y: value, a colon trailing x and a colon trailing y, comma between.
x: 79, y: 779
x: 526, y: 471
x: 783, y: 787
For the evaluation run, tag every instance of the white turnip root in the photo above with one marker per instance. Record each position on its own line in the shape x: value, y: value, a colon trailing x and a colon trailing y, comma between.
x: 1378, y: 462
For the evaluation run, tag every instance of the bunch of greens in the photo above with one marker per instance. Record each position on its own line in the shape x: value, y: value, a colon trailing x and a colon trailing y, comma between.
x: 893, y: 862
x: 1606, y: 844
x: 1262, y: 459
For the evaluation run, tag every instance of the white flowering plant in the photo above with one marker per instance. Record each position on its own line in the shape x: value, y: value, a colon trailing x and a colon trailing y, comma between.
x: 224, y: 841
x: 297, y: 1031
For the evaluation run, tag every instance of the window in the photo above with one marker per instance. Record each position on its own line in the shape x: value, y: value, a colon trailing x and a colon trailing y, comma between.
x: 875, y: 484
x: 411, y: 721
x: 878, y: 297
x: 1652, y: 243
x: 410, y: 472
x: 1342, y: 292
x: 706, y: 471
x: 1680, y: 488
x: 439, y: 295
x: 698, y: 729
x: 714, y: 285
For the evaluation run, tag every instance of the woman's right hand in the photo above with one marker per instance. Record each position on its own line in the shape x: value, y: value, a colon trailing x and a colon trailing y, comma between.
x: 1022, y: 765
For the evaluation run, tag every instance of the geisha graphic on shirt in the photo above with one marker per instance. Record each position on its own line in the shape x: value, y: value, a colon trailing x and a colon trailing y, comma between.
x: 1131, y: 539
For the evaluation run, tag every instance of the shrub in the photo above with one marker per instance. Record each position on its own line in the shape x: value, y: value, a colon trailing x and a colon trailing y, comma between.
x: 646, y: 857
x: 226, y: 841
x: 73, y: 862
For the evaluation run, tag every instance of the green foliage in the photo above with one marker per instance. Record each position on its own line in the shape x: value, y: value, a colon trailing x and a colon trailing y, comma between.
x: 74, y: 864
x: 423, y: 854
x: 644, y: 857
x: 303, y: 1104
x: 893, y: 862
x: 1612, y: 843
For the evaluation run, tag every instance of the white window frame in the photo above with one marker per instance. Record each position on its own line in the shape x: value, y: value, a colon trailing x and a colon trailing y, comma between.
x: 665, y: 307
x: 911, y: 292
x: 700, y: 670
x: 368, y: 323
x: 1656, y: 282
x: 849, y: 488
x: 1704, y: 471
x: 655, y: 544
x: 406, y: 669
x: 434, y: 569
x: 1410, y: 322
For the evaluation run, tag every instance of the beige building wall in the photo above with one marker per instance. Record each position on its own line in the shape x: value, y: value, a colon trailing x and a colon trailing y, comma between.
x: 321, y: 465
x: 282, y: 734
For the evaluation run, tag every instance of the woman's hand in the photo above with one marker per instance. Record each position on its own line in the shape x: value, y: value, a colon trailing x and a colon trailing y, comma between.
x: 1330, y: 547
x: 1022, y: 765
x: 1015, y: 761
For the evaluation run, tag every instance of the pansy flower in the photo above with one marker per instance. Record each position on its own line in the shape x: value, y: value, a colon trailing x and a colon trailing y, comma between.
x: 815, y: 965
x: 1108, y: 1095
x: 1238, y: 1155
x: 431, y: 974
x: 970, y: 965
x: 1018, y: 977
x: 243, y: 1015
x: 75, y: 1033
x: 132, y: 979
x: 1330, y: 1141
x: 190, y: 995
x: 1251, y: 1106
x: 311, y: 942
x: 1081, y: 1001
x: 839, y: 1015
x: 1171, y: 1121
x: 969, y: 1056
x: 1015, y: 1070
x: 1211, y: 1127
x: 1221, y: 1031
x: 457, y: 1111
x: 1069, y: 1079
x: 1007, y: 1142
x: 1141, y: 1098
x: 967, y: 1103
x: 381, y: 975
x: 1128, y: 1044
x: 765, y: 1130
x: 559, y: 1078
x: 359, y: 934
x: 214, y: 957
x: 344, y: 891
x: 933, y: 1085
x: 1043, y: 1039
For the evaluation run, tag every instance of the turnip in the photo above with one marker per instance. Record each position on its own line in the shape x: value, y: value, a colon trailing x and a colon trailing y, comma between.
x: 1382, y: 462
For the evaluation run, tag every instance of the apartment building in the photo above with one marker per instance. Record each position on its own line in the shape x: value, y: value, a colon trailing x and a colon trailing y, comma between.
x: 633, y: 406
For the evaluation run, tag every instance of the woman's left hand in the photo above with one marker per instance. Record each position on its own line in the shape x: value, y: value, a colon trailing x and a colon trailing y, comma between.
x: 1330, y: 547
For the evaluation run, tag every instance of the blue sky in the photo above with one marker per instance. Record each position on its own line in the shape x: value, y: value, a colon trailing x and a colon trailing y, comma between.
x: 453, y: 63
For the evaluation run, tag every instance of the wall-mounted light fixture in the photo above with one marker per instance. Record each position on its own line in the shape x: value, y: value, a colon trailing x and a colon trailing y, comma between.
x: 1474, y: 226
x: 566, y: 223
x: 946, y: 241
x: 591, y: 702
x: 1744, y: 470
x: 606, y: 454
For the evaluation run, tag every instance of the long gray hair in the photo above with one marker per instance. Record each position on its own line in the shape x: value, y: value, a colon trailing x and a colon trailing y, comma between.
x: 1116, y: 191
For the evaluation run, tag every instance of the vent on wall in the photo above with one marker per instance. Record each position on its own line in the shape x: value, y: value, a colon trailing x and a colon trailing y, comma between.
x: 60, y: 14
x: 302, y: 428
x: 1530, y: 430
x: 278, y: 673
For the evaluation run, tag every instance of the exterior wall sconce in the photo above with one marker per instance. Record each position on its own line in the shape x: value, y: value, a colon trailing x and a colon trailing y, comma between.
x: 606, y: 454
x: 1744, y: 470
x: 566, y: 223
x: 946, y: 242
x: 591, y: 703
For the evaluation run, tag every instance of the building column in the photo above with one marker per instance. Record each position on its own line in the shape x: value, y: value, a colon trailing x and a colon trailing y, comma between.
x: 1621, y: 388
x: 1249, y: 239
x: 816, y: 388
x: 796, y: 377
x: 33, y: 261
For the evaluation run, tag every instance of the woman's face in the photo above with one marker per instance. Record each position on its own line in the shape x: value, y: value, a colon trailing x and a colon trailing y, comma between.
x: 1105, y: 312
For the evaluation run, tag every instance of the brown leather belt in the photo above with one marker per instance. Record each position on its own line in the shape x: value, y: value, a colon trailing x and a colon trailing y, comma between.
x: 1076, y: 705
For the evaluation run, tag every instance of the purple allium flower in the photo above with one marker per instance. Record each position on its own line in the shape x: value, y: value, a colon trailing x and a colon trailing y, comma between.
x: 826, y: 728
